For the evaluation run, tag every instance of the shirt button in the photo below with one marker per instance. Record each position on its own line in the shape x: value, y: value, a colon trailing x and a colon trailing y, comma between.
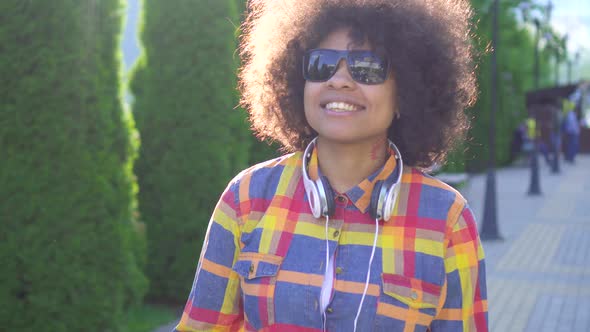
x: 251, y: 268
x: 341, y: 199
x: 414, y: 295
x: 338, y: 270
x: 336, y: 233
x: 330, y: 310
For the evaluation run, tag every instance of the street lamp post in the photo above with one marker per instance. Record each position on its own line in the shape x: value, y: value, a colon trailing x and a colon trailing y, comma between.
x: 570, y: 63
x: 556, y: 130
x: 556, y: 69
x: 489, y: 229
x: 556, y: 141
x: 569, y: 71
x: 535, y: 187
x: 561, y: 46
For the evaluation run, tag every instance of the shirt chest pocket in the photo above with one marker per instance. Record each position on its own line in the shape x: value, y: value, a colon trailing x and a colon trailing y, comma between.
x: 413, y: 292
x: 258, y: 276
x: 406, y: 299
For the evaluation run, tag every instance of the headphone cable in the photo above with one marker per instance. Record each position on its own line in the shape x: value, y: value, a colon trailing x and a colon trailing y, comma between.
x: 323, y: 305
x: 368, y: 273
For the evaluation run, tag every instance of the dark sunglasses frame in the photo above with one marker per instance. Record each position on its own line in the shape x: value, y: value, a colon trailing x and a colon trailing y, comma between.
x: 350, y: 57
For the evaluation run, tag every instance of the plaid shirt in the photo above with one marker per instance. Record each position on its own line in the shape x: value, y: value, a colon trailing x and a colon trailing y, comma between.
x: 262, y: 264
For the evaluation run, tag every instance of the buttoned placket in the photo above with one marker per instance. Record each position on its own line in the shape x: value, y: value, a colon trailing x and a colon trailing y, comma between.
x: 335, y: 230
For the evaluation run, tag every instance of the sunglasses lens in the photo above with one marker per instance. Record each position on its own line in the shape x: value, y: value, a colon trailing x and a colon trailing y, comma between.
x: 367, y: 67
x: 319, y: 65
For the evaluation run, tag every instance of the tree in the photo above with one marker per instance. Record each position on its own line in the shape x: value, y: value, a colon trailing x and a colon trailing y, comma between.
x: 69, y: 246
x: 259, y: 151
x: 193, y: 138
x: 515, y: 78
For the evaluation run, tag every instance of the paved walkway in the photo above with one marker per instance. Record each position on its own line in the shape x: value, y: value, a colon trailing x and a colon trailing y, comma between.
x: 539, y: 275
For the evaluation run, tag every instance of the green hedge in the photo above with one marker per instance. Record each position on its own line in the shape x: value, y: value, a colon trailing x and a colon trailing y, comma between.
x: 193, y: 139
x: 69, y: 247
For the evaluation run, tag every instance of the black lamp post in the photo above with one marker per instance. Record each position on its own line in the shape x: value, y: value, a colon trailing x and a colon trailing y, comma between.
x: 556, y: 130
x: 556, y: 69
x: 569, y: 71
x: 555, y: 141
x: 570, y: 63
x: 559, y: 43
x: 555, y: 49
x: 489, y: 229
x: 534, y: 186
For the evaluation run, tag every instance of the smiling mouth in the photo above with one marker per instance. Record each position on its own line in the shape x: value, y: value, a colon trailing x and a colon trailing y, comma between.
x: 342, y: 107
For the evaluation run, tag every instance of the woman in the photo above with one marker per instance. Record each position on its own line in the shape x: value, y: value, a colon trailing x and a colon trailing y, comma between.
x: 347, y: 233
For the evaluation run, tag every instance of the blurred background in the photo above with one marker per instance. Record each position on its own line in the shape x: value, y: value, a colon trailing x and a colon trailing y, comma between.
x: 119, y: 129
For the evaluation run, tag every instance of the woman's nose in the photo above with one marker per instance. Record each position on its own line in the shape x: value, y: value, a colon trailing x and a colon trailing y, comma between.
x: 341, y: 78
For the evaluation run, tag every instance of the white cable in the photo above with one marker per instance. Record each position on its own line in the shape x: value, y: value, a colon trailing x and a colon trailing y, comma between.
x: 358, y: 313
x: 323, y: 305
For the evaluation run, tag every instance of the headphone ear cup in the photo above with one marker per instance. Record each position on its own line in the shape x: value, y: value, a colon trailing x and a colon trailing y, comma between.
x: 313, y: 197
x: 329, y: 195
x: 390, y: 199
x: 374, y: 206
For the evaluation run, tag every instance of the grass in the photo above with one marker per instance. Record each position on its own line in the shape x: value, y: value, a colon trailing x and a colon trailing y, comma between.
x: 148, y: 317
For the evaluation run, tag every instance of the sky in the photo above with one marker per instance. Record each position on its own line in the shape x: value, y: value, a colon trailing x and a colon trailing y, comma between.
x: 573, y: 17
x: 130, y: 40
x: 569, y: 16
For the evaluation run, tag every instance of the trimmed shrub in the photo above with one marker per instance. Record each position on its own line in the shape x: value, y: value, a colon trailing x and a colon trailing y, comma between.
x: 193, y: 138
x: 68, y: 243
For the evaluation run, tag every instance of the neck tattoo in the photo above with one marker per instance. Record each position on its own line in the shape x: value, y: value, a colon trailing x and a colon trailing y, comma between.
x: 375, y: 148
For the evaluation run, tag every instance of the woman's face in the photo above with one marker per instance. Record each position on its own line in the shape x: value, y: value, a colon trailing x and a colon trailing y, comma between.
x: 344, y: 111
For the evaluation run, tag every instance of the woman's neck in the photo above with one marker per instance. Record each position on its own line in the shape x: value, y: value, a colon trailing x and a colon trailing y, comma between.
x: 346, y: 165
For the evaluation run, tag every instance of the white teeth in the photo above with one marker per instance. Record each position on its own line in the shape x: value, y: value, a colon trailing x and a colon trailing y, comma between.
x: 341, y: 107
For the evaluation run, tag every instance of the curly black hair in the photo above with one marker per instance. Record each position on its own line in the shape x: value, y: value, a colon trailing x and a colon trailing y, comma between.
x: 428, y: 44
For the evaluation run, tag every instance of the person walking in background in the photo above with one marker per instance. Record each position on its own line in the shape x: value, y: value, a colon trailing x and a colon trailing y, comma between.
x: 546, y: 136
x: 555, y: 134
x: 347, y: 232
x: 520, y: 143
x: 528, y: 130
x: 571, y: 129
x: 516, y: 142
x: 531, y: 133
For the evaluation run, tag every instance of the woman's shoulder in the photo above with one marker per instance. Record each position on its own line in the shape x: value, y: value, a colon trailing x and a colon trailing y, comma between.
x: 262, y: 179
x: 419, y: 176
x: 431, y: 192
x: 269, y: 167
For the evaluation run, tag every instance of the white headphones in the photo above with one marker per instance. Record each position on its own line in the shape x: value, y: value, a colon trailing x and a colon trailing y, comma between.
x: 321, y: 197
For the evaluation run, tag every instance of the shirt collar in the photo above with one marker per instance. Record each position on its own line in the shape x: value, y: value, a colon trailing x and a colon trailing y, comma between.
x: 359, y: 195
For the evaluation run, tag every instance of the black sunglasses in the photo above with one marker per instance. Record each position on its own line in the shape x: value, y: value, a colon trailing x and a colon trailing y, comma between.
x: 365, y: 67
